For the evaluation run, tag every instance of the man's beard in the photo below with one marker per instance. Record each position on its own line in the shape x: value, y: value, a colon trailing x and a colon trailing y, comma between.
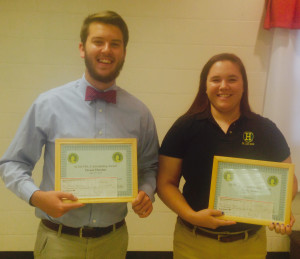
x: 100, y: 78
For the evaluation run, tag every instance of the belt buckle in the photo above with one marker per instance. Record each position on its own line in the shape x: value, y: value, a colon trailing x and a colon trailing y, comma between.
x: 87, y: 231
x: 87, y: 228
x: 221, y: 236
x: 233, y: 237
x: 82, y: 229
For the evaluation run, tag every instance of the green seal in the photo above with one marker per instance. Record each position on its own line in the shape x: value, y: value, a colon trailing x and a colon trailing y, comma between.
x: 228, y: 176
x: 272, y: 180
x: 73, y: 158
x: 117, y: 157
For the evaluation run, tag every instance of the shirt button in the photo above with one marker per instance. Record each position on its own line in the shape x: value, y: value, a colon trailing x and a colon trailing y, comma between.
x: 230, y: 132
x: 94, y: 221
x: 100, y: 110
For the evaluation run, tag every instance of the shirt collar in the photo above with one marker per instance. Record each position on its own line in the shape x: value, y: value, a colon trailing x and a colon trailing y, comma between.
x: 207, y: 115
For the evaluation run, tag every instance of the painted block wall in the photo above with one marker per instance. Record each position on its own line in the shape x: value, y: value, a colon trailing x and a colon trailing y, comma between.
x: 170, y: 40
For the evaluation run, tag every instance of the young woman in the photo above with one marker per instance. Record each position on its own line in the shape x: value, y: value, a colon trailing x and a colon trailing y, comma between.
x: 218, y: 122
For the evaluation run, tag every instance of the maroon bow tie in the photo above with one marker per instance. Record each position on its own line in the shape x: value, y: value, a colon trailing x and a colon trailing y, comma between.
x: 92, y: 94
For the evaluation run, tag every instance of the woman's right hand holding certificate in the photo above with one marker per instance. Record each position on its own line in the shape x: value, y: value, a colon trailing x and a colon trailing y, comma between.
x: 208, y: 218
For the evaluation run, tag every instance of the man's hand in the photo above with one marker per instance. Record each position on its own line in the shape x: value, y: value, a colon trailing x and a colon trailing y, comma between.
x: 281, y: 228
x: 142, y: 205
x: 52, y: 203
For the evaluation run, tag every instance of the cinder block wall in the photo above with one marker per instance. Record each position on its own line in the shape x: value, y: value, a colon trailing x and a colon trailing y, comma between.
x: 170, y: 40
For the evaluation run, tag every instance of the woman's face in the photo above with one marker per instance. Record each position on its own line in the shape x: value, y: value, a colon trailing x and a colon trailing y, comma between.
x: 224, y: 87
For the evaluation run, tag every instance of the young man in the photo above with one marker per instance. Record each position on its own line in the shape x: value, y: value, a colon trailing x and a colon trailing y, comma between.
x: 75, y: 230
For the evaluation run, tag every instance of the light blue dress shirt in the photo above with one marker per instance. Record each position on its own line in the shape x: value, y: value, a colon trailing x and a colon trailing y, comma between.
x: 63, y: 113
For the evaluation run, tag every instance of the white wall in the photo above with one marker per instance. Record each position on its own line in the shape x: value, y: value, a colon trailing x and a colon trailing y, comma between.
x: 170, y: 40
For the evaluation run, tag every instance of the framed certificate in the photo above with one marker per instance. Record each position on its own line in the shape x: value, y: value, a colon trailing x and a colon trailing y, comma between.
x: 252, y: 191
x: 97, y: 170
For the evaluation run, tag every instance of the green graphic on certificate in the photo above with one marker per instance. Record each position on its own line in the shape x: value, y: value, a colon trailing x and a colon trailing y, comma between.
x: 252, y: 191
x: 97, y: 170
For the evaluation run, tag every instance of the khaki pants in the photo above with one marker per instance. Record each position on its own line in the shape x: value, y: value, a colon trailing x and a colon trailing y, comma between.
x: 50, y: 244
x: 188, y: 245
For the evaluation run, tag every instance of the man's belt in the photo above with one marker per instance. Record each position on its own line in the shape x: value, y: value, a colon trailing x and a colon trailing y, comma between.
x: 220, y: 236
x: 84, y: 231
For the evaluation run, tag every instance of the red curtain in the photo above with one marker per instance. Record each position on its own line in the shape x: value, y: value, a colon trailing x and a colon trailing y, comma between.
x: 283, y: 14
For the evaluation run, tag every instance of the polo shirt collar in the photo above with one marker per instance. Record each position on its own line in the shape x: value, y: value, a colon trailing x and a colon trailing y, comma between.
x: 207, y: 115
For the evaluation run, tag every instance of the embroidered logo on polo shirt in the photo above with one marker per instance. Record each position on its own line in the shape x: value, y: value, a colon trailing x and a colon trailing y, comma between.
x: 248, y: 138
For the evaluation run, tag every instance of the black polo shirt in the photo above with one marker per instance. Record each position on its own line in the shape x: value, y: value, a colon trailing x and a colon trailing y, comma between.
x: 197, y: 139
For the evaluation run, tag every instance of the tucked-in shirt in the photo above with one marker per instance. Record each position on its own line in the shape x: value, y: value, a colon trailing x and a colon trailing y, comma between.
x: 63, y: 113
x: 197, y: 139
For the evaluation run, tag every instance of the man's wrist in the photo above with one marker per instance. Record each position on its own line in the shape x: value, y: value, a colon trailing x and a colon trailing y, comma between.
x: 33, y: 198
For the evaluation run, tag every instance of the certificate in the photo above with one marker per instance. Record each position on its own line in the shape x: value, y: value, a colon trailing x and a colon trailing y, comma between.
x: 97, y: 170
x: 252, y: 191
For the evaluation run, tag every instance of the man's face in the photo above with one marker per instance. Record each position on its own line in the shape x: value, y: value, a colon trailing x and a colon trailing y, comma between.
x: 103, y: 52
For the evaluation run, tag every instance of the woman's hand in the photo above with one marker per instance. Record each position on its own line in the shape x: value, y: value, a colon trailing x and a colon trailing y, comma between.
x: 281, y: 228
x: 208, y: 218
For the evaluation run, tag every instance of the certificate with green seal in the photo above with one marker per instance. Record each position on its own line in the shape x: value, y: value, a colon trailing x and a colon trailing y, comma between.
x: 252, y: 191
x: 97, y: 170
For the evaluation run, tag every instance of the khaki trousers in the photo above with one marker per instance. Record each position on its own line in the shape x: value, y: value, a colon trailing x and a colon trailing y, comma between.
x: 50, y: 244
x: 188, y: 245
